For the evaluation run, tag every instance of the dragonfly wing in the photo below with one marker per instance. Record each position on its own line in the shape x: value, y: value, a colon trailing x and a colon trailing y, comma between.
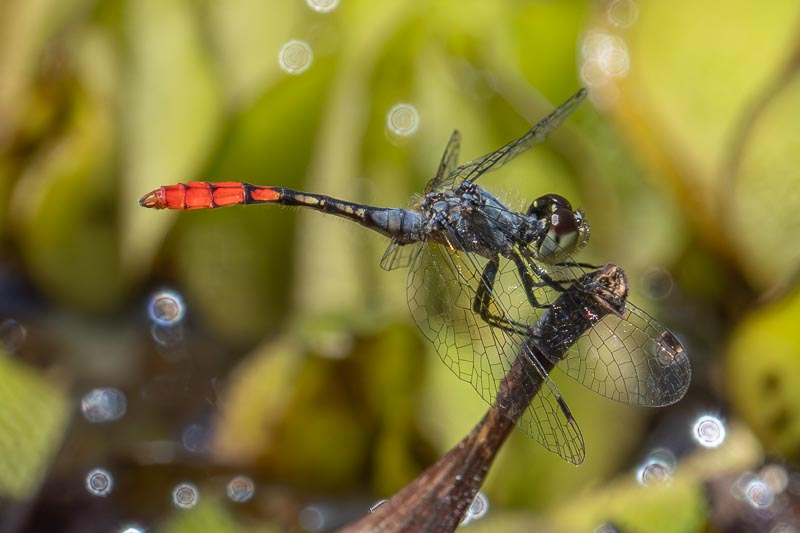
x: 442, y: 286
x: 400, y: 255
x: 630, y: 358
x: 447, y: 164
x: 547, y: 423
x: 492, y: 161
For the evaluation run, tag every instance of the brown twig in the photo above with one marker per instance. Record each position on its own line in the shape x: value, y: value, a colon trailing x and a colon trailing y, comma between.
x: 438, y: 499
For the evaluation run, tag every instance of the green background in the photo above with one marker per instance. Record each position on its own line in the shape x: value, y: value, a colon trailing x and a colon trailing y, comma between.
x: 299, y: 356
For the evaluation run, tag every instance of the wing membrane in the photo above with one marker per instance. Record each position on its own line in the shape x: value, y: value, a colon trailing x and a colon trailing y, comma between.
x: 494, y: 160
x: 448, y: 162
x: 442, y: 285
x: 630, y: 358
x: 400, y: 255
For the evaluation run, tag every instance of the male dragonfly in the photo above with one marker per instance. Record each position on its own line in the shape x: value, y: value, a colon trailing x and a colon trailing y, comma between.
x: 481, y: 277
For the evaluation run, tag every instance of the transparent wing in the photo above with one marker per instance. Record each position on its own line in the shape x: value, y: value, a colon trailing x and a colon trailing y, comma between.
x: 400, y: 255
x: 492, y: 161
x: 448, y: 162
x: 442, y: 286
x: 630, y: 358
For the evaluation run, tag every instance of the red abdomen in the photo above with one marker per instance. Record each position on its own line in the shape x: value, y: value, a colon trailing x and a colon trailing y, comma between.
x: 205, y: 195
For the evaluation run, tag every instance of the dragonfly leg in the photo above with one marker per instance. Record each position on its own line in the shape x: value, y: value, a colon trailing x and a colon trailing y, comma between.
x: 547, y: 279
x: 528, y: 284
x: 483, y: 301
x: 582, y: 265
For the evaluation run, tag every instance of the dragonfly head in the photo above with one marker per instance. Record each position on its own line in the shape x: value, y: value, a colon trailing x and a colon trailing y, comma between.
x: 562, y: 229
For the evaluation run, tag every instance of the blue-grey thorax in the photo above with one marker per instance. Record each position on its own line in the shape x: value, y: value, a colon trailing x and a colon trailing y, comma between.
x: 479, y: 222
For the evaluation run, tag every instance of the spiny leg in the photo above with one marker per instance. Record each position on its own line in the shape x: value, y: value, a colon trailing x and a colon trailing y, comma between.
x: 529, y: 284
x: 483, y: 300
x: 547, y: 279
x: 581, y: 264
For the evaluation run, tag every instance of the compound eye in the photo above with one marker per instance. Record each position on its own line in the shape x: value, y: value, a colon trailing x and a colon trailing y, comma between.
x: 563, y: 235
x: 563, y: 223
x: 547, y: 204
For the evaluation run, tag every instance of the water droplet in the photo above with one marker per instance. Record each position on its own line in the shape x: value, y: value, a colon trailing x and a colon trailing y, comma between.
x: 167, y: 336
x: 12, y: 335
x: 613, y: 58
x: 658, y: 283
x: 323, y: 6
x: 653, y: 474
x: 402, y: 120
x: 312, y: 518
x: 592, y: 42
x: 295, y: 57
x: 195, y: 438
x: 664, y: 456
x: 166, y: 308
x: 709, y: 431
x: 758, y: 494
x: 592, y: 74
x: 185, y: 495
x: 605, y: 56
x: 477, y: 509
x: 241, y: 489
x: 132, y: 528
x: 376, y: 505
x: 104, y: 405
x: 480, y: 505
x: 623, y: 13
x: 99, y: 482
x: 657, y: 468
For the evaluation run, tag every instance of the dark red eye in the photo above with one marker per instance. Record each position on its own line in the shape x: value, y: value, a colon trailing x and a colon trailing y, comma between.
x: 547, y: 204
x: 563, y: 235
x: 563, y: 222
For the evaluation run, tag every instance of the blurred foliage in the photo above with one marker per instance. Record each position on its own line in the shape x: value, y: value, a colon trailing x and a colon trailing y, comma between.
x: 297, y: 353
x: 211, y: 516
x: 763, y: 375
x: 32, y: 422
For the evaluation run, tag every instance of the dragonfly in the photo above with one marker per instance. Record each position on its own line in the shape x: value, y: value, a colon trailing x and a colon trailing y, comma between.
x: 483, y: 278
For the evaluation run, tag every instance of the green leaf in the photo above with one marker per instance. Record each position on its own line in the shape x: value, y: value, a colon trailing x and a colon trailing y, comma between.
x: 254, y: 401
x: 32, y: 424
x: 63, y: 203
x: 172, y: 112
x: 696, y: 87
x: 767, y: 191
x: 237, y: 263
x: 762, y: 374
x: 679, y: 508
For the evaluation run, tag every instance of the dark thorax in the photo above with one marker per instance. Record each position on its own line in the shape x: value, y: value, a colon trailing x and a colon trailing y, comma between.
x: 471, y: 219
